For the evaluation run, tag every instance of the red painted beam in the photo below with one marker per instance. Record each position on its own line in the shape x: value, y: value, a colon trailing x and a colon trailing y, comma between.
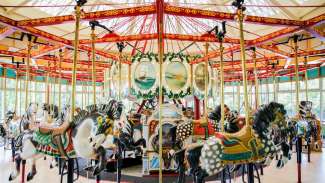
x: 106, y: 14
x: 55, y: 59
x: 144, y: 37
x: 207, y: 14
x: 51, y: 37
x: 168, y: 9
x: 265, y: 38
x: 263, y: 59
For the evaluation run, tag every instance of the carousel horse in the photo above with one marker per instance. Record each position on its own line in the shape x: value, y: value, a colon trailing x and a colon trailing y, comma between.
x: 85, y: 136
x: 185, y: 130
x: 130, y: 136
x: 250, y: 144
x: 306, y: 125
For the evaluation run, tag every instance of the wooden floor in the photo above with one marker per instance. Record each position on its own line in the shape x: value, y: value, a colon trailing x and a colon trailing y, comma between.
x: 313, y: 172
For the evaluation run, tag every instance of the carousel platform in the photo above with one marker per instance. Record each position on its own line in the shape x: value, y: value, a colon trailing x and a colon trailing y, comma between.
x: 311, y: 172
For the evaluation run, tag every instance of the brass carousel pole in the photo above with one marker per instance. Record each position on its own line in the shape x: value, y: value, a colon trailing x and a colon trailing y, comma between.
x: 243, y: 60
x: 93, y: 67
x: 20, y: 96
x: 75, y: 55
x: 299, y: 139
x: 238, y: 96
x: 274, y: 83
x: 129, y: 77
x: 74, y: 77
x: 104, y: 83
x: 240, y: 16
x: 295, y: 41
x: 5, y: 90
x: 47, y: 93
x: 16, y: 90
x: 60, y: 77
x: 160, y: 29
x: 120, y: 47
x: 257, y: 98
x: 109, y: 82
x: 220, y: 35
x: 306, y: 77
x: 29, y: 48
x: 204, y: 121
x: 222, y: 89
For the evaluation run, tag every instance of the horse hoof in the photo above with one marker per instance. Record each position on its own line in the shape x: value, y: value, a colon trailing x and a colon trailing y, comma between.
x: 44, y: 157
x: 51, y: 166
x: 29, y: 177
x: 10, y: 178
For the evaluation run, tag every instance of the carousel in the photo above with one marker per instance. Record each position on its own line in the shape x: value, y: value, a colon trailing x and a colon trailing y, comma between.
x: 161, y: 91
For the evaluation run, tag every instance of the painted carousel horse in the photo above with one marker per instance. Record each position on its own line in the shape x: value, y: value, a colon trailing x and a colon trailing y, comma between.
x: 86, y: 136
x: 130, y: 136
x: 306, y: 125
x: 185, y: 130
x: 25, y: 122
x: 9, y: 128
x: 250, y: 144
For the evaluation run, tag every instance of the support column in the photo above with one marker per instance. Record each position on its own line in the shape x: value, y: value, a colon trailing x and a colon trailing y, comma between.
x: 160, y: 30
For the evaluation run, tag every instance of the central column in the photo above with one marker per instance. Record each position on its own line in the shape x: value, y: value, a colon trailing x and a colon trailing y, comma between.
x: 160, y: 29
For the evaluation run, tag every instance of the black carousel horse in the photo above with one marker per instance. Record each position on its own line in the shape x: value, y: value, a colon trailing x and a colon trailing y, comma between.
x: 211, y: 157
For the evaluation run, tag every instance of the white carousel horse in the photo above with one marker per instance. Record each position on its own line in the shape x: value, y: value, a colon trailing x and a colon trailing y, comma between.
x: 86, y: 137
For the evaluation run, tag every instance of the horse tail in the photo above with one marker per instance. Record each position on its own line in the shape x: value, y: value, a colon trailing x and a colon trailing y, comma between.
x: 211, y: 156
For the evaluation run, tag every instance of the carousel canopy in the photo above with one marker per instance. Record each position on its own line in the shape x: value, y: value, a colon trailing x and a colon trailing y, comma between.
x: 187, y: 28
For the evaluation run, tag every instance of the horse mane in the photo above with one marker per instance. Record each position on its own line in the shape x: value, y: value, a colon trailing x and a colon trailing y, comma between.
x: 79, y: 117
x: 264, y: 116
x: 215, y: 114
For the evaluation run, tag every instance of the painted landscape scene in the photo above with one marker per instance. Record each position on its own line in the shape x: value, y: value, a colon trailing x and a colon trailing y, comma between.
x: 176, y: 75
x: 145, y: 75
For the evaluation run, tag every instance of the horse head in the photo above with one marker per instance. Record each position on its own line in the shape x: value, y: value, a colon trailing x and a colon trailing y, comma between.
x: 104, y: 126
x: 9, y: 116
x: 267, y: 116
x: 215, y: 116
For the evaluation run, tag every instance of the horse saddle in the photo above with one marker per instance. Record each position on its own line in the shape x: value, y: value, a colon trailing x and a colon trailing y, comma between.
x: 239, y: 146
x: 49, y: 129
